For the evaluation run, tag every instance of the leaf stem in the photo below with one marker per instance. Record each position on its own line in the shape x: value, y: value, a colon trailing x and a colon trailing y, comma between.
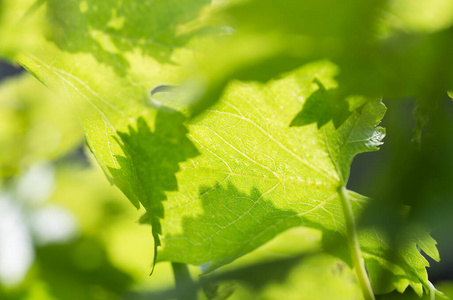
x: 354, y: 246
x: 183, y: 282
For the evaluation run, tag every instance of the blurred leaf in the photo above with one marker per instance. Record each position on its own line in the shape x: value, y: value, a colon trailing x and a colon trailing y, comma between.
x: 384, y: 56
x: 80, y: 270
x: 318, y: 277
x: 400, y: 266
x: 419, y: 16
x: 270, y: 38
x: 35, y: 124
x: 402, y: 65
x: 421, y: 180
x: 109, y: 30
x: 129, y: 245
x: 446, y: 288
x: 288, y: 266
x: 219, y: 291
x: 19, y: 31
x: 257, y: 275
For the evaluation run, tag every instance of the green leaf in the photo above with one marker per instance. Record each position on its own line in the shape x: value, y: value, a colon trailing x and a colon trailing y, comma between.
x: 390, y: 268
x: 19, y: 30
x: 256, y: 176
x: 392, y: 262
x: 106, y: 58
x: 35, y: 124
x: 73, y: 269
x: 230, y: 180
x: 322, y: 106
x: 109, y: 30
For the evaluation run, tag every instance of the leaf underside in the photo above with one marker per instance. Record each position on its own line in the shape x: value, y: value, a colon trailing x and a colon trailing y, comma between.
x: 220, y: 185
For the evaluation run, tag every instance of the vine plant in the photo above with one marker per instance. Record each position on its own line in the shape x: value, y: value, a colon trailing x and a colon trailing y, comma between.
x: 233, y: 121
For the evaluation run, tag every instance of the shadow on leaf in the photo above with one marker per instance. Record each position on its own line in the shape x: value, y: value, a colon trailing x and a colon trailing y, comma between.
x: 233, y: 223
x: 108, y: 29
x: 321, y: 107
x: 155, y: 157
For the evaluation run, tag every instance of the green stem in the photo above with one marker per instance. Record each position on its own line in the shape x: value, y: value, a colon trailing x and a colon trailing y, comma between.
x: 354, y: 246
x: 183, y: 282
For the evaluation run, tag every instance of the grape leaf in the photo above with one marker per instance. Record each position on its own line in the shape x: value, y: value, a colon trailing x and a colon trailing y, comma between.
x: 232, y: 179
x: 255, y: 178
x: 106, y: 57
x: 19, y: 31
x: 35, y: 124
x: 251, y: 171
x: 390, y: 269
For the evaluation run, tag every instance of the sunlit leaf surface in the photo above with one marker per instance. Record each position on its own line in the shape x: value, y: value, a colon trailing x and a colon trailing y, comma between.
x: 273, y: 125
